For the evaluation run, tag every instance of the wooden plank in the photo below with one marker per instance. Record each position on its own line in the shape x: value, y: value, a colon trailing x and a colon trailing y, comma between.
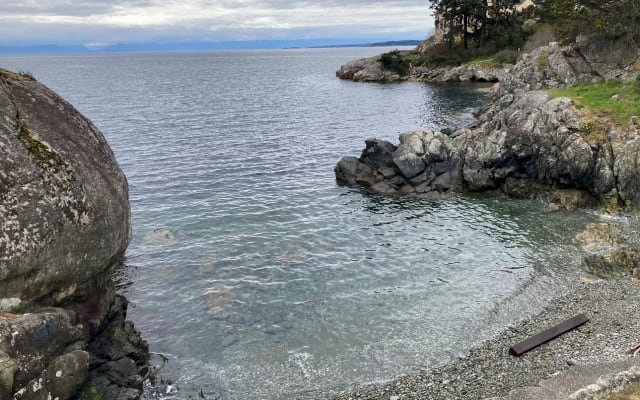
x: 546, y: 335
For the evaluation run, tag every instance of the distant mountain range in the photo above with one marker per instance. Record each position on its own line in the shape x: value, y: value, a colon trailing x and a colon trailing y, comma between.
x: 18, y: 49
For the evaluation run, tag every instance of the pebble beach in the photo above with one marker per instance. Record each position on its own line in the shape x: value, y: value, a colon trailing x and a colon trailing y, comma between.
x: 597, y: 353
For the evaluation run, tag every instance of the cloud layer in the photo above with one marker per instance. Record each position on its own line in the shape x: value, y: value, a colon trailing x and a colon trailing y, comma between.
x: 110, y: 21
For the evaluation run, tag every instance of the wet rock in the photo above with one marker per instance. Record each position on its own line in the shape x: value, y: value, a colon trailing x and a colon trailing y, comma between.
x: 159, y: 236
x: 218, y: 299
x: 118, y: 338
x: 571, y: 199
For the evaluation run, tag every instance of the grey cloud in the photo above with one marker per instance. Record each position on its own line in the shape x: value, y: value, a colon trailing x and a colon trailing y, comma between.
x: 143, y: 20
x: 90, y: 7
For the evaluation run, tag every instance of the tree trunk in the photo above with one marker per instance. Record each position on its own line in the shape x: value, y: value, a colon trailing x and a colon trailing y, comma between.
x: 483, y: 27
x: 465, y: 33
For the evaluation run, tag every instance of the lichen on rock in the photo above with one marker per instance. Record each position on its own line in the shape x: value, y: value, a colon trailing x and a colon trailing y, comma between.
x: 65, y: 218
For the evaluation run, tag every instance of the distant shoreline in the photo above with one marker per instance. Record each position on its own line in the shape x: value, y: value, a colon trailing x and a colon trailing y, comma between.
x: 56, y: 49
x: 377, y: 44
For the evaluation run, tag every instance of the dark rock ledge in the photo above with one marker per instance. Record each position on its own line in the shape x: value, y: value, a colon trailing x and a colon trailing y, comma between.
x: 523, y: 144
x: 65, y: 218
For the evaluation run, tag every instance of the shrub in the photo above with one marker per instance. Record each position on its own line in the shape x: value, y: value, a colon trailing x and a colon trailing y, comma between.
x: 395, y: 61
x: 506, y: 56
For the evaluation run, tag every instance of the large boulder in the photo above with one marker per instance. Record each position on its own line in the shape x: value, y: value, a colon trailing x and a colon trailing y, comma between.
x: 65, y: 217
x: 64, y: 206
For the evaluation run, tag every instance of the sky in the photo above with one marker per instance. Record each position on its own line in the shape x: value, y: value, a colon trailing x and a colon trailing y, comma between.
x: 95, y: 23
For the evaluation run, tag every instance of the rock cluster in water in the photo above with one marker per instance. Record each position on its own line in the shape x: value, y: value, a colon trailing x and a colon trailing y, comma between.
x: 524, y: 144
x: 65, y: 217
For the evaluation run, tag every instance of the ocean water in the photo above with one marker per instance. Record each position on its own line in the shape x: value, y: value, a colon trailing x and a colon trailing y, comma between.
x: 257, y: 276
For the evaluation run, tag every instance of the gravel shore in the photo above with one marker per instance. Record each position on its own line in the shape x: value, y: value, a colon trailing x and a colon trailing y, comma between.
x: 561, y: 366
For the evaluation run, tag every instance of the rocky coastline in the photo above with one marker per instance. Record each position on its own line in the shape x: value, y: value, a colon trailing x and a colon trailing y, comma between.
x: 65, y: 216
x: 524, y: 143
x: 527, y: 144
x: 371, y: 70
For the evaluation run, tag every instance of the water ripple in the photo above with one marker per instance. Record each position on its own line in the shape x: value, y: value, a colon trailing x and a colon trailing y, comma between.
x: 251, y: 269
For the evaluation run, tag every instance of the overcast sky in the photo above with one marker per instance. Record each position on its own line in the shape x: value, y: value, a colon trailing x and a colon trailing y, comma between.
x: 111, y: 21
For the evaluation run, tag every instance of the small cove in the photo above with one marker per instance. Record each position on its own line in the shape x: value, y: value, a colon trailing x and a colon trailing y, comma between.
x: 251, y: 270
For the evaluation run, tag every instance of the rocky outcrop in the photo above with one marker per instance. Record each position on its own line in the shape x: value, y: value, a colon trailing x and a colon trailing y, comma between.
x: 368, y: 70
x: 65, y: 219
x: 372, y: 70
x: 524, y: 143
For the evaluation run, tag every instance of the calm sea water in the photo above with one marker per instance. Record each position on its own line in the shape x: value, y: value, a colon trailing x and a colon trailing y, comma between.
x: 251, y: 270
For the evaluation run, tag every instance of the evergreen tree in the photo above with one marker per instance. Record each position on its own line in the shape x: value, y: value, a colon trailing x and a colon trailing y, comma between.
x: 464, y: 18
x: 611, y: 17
x: 458, y: 17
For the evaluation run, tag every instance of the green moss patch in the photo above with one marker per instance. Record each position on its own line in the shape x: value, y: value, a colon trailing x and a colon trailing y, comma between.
x: 37, y: 149
x: 483, y: 63
x: 543, y: 61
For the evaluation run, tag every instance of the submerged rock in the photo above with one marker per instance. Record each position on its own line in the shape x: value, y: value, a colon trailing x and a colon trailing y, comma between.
x: 65, y: 217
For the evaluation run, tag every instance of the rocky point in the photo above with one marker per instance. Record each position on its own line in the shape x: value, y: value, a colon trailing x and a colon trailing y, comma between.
x: 524, y: 143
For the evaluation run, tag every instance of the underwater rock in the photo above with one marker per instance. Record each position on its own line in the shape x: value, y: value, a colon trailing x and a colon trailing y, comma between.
x: 218, y: 299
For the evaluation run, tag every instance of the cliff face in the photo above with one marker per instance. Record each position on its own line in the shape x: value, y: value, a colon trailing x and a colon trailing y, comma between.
x: 65, y: 218
x: 524, y: 143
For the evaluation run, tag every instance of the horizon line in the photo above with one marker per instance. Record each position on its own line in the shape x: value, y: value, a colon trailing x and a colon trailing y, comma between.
x: 168, y: 46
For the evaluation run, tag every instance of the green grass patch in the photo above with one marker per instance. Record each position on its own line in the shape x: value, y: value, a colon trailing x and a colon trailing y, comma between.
x: 614, y: 101
x: 483, y: 62
x: 543, y: 61
x: 21, y: 76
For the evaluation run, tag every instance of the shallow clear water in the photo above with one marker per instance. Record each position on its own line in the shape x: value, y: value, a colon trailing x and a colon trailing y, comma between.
x: 251, y: 269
